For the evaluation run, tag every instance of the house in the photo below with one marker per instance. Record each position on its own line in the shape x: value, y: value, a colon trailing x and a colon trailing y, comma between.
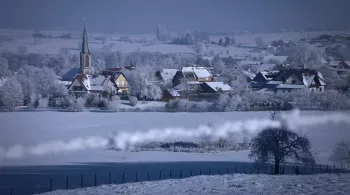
x: 199, y: 74
x: 263, y: 67
x: 121, y: 82
x: 83, y: 84
x: 166, y: 75
x: 216, y: 87
x: 170, y: 94
x: 288, y: 80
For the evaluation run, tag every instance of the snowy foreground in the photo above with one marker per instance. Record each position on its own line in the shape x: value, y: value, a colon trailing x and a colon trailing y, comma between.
x: 228, y: 185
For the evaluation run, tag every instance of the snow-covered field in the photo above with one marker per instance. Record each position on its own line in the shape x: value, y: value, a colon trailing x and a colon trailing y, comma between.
x: 11, y: 40
x: 227, y: 185
x: 33, y: 128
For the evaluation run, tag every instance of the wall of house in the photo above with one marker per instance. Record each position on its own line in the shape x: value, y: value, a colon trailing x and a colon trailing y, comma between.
x: 75, y: 83
x: 122, y: 84
x: 295, y: 79
x: 317, y: 89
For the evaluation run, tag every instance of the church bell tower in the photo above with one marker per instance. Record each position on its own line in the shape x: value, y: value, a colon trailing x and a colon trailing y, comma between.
x: 85, y: 56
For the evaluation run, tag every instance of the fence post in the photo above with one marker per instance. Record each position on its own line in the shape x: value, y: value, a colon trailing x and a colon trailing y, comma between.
x: 219, y: 171
x: 136, y: 177
x: 312, y: 169
x: 95, y: 180
x: 200, y: 171
x: 50, y: 184
x: 67, y: 183
x: 191, y: 173
x: 148, y: 178
x: 209, y: 171
x: 243, y: 170
x: 109, y: 177
x: 341, y: 166
x: 180, y: 174
x: 160, y: 174
x: 170, y: 174
x: 304, y: 169
x: 123, y: 178
x: 235, y: 169
x: 11, y: 191
x: 334, y: 167
x: 320, y: 168
x: 33, y: 188
x: 227, y: 170
x: 81, y: 180
x: 327, y: 169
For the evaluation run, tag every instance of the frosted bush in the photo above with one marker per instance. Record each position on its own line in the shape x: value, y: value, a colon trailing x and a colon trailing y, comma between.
x: 78, y: 105
x: 43, y: 103
x: 133, y: 100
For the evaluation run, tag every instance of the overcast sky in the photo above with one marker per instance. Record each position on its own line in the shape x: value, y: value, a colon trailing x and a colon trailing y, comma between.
x: 141, y: 16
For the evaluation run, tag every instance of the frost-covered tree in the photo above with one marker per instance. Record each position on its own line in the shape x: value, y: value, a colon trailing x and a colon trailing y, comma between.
x: 139, y: 79
x: 44, y: 79
x: 11, y: 94
x: 227, y: 41
x: 228, y: 103
x: 281, y: 145
x: 341, y: 151
x: 218, y: 64
x: 77, y: 105
x: 99, y: 65
x: 307, y: 56
x: 109, y: 89
x: 220, y: 42
x: 260, y: 42
x: 4, y: 68
x: 152, y: 92
x: 114, y: 104
x: 236, y: 79
x: 43, y: 103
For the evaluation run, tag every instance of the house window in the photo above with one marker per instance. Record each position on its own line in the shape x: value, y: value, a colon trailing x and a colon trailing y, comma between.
x: 293, y: 81
x: 118, y: 83
x: 77, y: 88
x: 321, y: 89
x: 312, y: 90
x: 122, y: 83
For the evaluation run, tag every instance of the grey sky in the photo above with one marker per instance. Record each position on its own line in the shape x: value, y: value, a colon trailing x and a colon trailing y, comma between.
x: 141, y: 16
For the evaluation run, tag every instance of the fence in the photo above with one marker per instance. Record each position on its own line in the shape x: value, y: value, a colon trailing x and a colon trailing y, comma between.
x: 49, y: 182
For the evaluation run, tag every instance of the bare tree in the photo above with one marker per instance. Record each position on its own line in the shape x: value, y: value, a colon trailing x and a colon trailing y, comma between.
x: 189, y: 87
x: 281, y: 145
x: 341, y: 151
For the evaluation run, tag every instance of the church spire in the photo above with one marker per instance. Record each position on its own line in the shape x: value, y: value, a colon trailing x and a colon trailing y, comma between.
x: 85, y: 46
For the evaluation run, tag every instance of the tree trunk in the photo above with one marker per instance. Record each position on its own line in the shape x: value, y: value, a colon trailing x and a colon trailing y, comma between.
x: 277, y: 167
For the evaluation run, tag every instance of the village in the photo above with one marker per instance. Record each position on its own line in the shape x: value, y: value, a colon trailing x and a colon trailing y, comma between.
x: 201, y: 83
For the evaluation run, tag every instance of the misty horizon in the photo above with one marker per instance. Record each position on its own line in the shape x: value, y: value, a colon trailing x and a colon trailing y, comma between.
x: 135, y: 17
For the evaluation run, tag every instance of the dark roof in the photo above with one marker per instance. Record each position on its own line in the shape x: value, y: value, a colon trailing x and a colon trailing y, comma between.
x: 70, y: 75
x: 283, y: 75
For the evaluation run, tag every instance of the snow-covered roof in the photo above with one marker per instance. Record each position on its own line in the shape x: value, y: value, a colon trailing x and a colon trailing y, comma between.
x: 249, y: 62
x: 93, y: 83
x: 281, y: 59
x: 347, y: 63
x: 168, y: 74
x: 202, y: 72
x: 290, y: 86
x: 308, y: 79
x: 219, y: 85
x: 70, y: 74
x: 249, y: 74
x: 2, y: 81
x: 174, y: 93
x: 256, y: 68
x: 334, y: 63
x: 187, y: 70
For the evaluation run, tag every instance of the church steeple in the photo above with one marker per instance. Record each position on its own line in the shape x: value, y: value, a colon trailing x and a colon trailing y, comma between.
x: 85, y: 57
x: 85, y: 45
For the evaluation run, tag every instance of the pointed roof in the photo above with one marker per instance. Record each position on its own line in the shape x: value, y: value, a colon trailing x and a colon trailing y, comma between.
x: 85, y: 46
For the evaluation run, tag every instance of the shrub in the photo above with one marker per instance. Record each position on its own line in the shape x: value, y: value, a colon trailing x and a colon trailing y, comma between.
x: 78, y: 105
x: 43, y: 103
x: 133, y: 100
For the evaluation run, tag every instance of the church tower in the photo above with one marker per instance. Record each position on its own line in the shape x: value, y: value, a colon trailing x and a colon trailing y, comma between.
x: 85, y: 57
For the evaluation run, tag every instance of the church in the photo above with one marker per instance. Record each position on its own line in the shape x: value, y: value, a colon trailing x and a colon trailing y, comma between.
x: 83, y: 80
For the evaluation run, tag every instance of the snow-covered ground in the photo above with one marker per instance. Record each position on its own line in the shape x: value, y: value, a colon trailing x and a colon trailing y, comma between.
x: 12, y: 39
x: 227, y: 185
x: 33, y: 128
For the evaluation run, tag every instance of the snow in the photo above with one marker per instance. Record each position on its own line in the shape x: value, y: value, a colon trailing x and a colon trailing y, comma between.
x: 219, y: 85
x: 307, y: 80
x: 290, y: 86
x: 173, y: 92
x: 2, y: 81
x: 281, y: 59
x: 228, y: 184
x: 168, y: 74
x: 38, y: 127
x: 202, y: 72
